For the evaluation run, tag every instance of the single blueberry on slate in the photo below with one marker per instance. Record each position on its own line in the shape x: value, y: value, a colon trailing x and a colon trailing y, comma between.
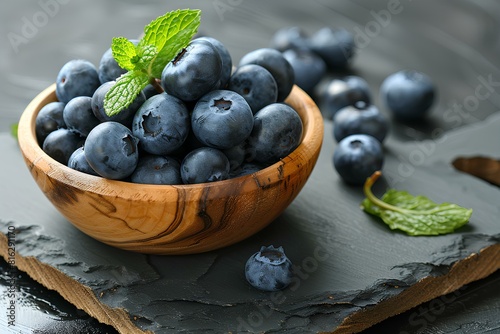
x: 343, y: 92
x: 269, y: 269
x: 361, y: 118
x: 357, y: 157
x: 408, y: 95
x: 309, y: 68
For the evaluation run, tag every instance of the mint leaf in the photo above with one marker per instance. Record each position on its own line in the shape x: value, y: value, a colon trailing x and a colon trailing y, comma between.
x: 124, y: 92
x: 13, y: 130
x: 163, y: 39
x: 124, y: 52
x: 169, y: 34
x: 415, y: 215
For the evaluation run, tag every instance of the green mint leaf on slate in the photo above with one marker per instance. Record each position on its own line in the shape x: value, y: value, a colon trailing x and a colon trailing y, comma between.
x: 123, y: 93
x: 415, y: 215
x: 163, y: 39
x: 169, y: 34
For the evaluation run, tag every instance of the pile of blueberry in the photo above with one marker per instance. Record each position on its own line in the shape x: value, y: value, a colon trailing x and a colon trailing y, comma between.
x: 358, y: 126
x: 207, y: 122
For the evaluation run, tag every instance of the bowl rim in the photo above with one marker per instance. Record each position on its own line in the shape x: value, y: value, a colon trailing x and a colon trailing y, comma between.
x: 34, y: 155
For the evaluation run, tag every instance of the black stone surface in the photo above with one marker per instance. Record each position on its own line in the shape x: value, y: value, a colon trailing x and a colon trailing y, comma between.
x: 346, y: 261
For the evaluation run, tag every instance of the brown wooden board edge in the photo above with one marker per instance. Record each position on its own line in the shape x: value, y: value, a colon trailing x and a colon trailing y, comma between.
x: 73, y: 291
x: 472, y: 268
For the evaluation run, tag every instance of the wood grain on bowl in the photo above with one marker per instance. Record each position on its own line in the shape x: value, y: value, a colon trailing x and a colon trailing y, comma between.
x: 178, y: 219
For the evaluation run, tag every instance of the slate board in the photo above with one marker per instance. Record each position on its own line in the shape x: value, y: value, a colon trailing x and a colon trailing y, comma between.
x: 352, y: 270
x: 351, y: 264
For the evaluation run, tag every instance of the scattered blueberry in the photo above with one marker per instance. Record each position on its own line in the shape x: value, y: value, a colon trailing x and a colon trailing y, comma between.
x: 77, y: 77
x: 125, y: 116
x: 408, y: 94
x: 269, y: 269
x: 357, y: 157
x: 61, y: 143
x: 78, y: 115
x: 194, y: 72
x: 204, y: 164
x: 276, y: 133
x: 255, y: 84
x: 111, y: 150
x: 290, y: 38
x: 309, y: 68
x: 161, y: 124
x: 48, y: 119
x: 155, y: 169
x: 335, y: 46
x: 273, y: 61
x: 222, y: 119
x: 360, y: 119
x: 78, y: 162
x: 340, y: 93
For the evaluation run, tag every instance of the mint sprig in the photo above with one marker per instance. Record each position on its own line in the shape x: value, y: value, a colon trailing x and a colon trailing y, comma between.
x: 415, y: 215
x: 163, y: 39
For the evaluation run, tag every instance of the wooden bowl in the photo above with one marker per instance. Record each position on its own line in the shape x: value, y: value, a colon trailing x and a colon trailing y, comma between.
x: 177, y: 219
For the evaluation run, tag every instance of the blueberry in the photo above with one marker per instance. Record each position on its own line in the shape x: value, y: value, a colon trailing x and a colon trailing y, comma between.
x: 357, y: 157
x: 269, y: 269
x: 155, y: 169
x: 335, y: 46
x: 227, y: 62
x: 195, y: 71
x: 273, y: 61
x: 236, y: 155
x: 222, y: 119
x: 48, y: 119
x: 247, y: 168
x: 111, y: 150
x: 77, y: 77
x: 290, y: 38
x: 276, y: 133
x: 340, y: 93
x: 204, y: 164
x: 255, y: 84
x: 360, y: 119
x: 161, y: 124
x: 125, y: 116
x: 309, y: 68
x: 78, y: 115
x: 408, y: 94
x: 61, y: 143
x: 109, y: 70
x: 150, y: 91
x: 78, y: 162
